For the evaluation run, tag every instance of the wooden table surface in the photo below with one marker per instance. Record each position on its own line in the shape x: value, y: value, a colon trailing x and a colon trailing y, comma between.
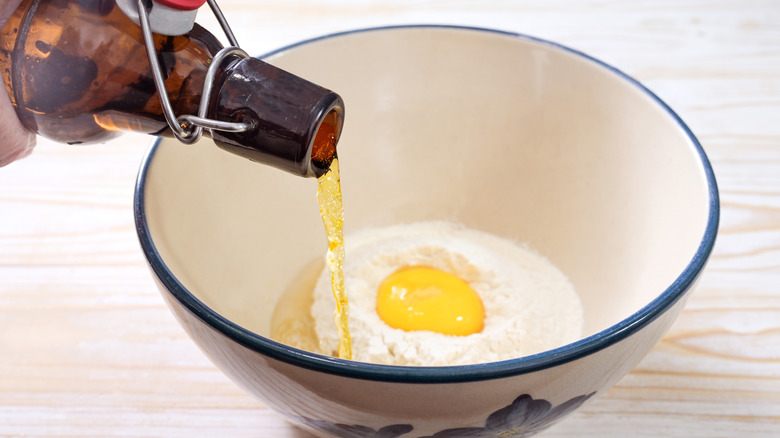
x: 88, y: 348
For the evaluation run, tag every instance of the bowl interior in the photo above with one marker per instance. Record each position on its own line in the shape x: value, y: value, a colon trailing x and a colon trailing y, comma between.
x: 504, y: 134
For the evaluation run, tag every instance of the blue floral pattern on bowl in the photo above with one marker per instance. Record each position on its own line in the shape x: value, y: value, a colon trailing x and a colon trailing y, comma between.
x: 355, y: 431
x: 524, y: 417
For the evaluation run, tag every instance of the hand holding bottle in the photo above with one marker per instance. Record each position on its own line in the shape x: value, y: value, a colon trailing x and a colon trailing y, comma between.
x: 15, y: 141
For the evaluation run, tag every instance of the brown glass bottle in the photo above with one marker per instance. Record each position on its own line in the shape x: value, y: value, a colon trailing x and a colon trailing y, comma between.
x: 77, y: 72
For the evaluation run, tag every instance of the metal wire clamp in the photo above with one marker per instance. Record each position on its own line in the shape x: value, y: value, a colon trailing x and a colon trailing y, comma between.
x: 189, y: 128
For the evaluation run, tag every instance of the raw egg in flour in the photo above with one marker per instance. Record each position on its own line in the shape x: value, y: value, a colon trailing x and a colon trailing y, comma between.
x: 425, y: 298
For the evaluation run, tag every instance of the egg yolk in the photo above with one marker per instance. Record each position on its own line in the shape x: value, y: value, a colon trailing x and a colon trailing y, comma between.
x: 425, y: 298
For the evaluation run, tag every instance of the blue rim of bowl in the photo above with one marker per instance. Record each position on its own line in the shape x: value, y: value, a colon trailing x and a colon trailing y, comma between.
x: 444, y: 374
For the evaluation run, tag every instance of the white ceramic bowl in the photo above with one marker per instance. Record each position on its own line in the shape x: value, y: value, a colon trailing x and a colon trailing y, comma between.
x: 504, y: 133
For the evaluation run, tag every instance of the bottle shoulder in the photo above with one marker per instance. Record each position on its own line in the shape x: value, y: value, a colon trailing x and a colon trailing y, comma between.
x: 74, y: 69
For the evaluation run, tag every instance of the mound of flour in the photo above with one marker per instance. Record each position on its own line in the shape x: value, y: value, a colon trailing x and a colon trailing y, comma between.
x: 530, y: 306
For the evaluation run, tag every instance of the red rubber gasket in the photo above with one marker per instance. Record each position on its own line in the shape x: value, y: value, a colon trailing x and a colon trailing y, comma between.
x: 183, y: 5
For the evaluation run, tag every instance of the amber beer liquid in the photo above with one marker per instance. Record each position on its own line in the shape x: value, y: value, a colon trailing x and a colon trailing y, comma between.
x: 77, y: 72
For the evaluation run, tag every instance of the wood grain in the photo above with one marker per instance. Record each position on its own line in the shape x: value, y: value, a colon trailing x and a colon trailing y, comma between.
x: 88, y: 348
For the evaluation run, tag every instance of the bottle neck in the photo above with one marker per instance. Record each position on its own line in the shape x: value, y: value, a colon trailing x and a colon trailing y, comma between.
x: 295, y: 124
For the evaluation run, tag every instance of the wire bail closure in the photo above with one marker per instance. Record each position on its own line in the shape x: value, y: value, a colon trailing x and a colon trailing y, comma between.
x: 189, y: 128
